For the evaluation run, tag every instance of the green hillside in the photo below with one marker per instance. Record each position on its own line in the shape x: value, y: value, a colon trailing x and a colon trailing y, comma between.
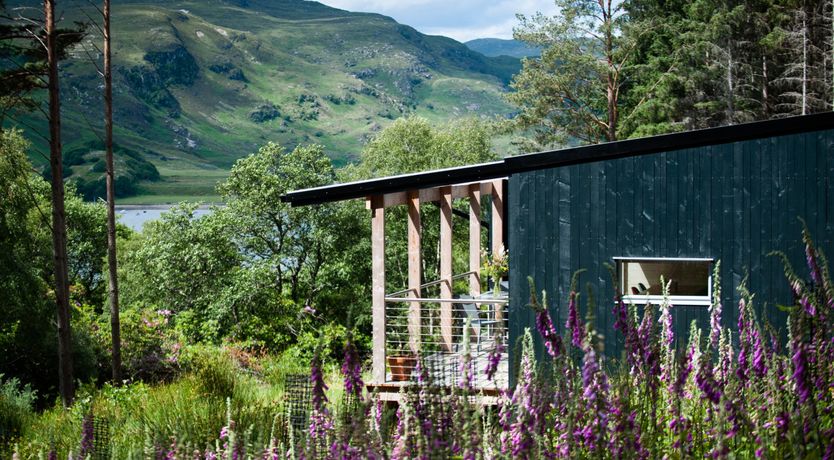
x: 501, y: 47
x: 199, y: 84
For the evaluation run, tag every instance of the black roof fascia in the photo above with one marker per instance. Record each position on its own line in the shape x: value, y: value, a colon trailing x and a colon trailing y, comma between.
x: 360, y: 189
x: 563, y: 157
x: 670, y: 142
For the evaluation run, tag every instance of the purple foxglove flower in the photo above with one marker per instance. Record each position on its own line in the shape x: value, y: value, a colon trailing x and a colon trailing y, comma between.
x: 800, y: 372
x: 573, y: 324
x: 620, y: 315
x: 352, y: 369
x: 759, y: 364
x: 526, y: 404
x: 706, y: 381
x: 317, y: 379
x: 595, y: 396
x: 715, y: 308
x: 494, y: 357
x: 811, y: 258
x: 552, y: 339
x: 87, y: 436
x: 649, y: 348
x: 684, y: 371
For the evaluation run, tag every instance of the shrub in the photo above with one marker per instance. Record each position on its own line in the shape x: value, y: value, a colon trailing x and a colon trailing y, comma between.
x: 16, y: 402
x: 213, y: 369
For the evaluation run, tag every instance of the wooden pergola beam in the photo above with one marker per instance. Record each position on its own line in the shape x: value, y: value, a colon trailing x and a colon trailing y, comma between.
x: 446, y: 266
x: 475, y: 239
x: 378, y: 288
x: 498, y: 229
x: 433, y: 194
x: 414, y: 271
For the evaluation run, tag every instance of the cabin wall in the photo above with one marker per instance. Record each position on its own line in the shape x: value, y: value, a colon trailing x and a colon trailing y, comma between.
x: 734, y: 202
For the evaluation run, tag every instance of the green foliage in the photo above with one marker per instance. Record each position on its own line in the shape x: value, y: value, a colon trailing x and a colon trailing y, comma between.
x: 213, y: 369
x: 571, y: 92
x: 300, y: 254
x: 22, y: 36
x: 180, y: 263
x: 412, y: 144
x: 16, y: 408
x: 150, y: 349
x: 27, y: 327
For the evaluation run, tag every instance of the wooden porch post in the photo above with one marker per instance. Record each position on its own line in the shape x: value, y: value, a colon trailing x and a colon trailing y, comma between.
x: 446, y: 266
x: 414, y: 266
x: 378, y: 286
x: 498, y: 230
x: 475, y: 239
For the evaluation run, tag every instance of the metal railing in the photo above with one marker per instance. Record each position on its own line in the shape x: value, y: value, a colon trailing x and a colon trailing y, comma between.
x: 439, y: 339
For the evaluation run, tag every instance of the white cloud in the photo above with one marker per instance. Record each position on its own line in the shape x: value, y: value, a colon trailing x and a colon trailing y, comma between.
x: 461, y: 19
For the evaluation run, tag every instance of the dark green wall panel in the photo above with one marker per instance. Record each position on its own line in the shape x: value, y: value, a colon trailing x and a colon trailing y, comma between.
x: 734, y: 202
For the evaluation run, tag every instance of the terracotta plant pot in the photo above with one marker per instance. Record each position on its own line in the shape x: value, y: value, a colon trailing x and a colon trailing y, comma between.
x: 401, y: 367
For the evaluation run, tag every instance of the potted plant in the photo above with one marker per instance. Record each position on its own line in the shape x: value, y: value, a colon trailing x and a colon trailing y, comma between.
x: 401, y: 360
x: 496, y: 267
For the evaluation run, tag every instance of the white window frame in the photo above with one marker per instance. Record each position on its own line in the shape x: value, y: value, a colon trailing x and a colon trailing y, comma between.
x: 680, y: 300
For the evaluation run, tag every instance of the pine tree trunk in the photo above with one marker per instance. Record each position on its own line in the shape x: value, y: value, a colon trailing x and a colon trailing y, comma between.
x: 804, y: 64
x: 59, y: 225
x: 115, y: 327
x: 765, y: 96
x: 611, y: 80
x: 730, y: 87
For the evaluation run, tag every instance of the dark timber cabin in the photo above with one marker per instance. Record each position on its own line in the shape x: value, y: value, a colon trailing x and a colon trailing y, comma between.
x: 671, y: 204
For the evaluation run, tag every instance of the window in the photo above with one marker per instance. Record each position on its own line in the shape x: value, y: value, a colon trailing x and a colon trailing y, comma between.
x: 691, y: 283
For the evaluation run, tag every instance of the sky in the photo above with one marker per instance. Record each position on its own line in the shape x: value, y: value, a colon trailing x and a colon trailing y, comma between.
x: 462, y: 20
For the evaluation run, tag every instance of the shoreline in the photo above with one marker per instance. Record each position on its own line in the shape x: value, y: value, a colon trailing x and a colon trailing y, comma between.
x: 159, y: 207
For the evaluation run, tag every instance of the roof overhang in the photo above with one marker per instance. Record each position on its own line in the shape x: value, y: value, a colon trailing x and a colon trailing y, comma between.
x: 562, y: 157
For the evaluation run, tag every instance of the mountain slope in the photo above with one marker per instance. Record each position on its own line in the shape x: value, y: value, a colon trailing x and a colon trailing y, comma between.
x: 199, y: 84
x: 500, y: 47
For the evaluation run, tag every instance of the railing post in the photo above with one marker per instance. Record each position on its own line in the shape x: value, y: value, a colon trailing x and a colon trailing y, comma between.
x: 475, y: 239
x: 414, y: 266
x: 378, y: 286
x: 446, y: 266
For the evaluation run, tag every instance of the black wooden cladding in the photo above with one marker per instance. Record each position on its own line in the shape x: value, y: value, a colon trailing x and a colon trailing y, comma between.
x: 735, y: 202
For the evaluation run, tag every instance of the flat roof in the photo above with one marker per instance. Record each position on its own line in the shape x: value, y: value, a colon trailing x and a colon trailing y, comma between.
x: 562, y: 157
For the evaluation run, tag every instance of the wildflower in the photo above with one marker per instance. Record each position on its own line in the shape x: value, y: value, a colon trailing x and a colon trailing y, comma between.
x: 759, y: 365
x: 706, y: 380
x: 320, y: 422
x: 648, y: 348
x: 87, y: 436
x: 573, y: 323
x: 800, y: 372
x: 494, y: 356
x: 725, y: 356
x: 715, y: 307
x: 544, y: 324
x: 667, y: 335
x: 741, y: 369
x: 528, y: 420
x: 595, y: 394
x: 352, y: 369
x: 308, y: 310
